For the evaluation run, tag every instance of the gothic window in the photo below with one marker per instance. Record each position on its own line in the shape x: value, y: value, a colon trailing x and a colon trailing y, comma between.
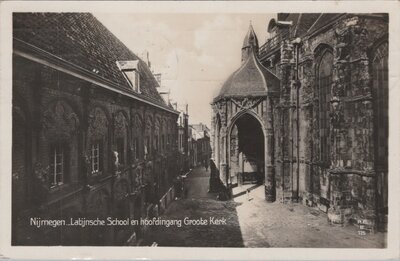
x: 59, y: 137
x: 380, y: 93
x: 325, y: 69
x: 97, y: 140
x: 95, y: 157
x: 57, y: 165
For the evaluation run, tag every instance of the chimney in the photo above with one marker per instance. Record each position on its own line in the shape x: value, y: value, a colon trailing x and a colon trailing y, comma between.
x: 145, y: 57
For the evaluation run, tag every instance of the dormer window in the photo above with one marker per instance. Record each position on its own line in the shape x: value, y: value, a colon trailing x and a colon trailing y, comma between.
x: 130, y: 70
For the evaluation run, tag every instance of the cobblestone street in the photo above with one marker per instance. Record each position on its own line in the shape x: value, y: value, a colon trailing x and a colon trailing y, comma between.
x: 251, y: 222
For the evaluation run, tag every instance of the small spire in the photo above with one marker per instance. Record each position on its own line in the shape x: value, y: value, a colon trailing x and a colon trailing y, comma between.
x: 250, y: 38
x: 250, y: 43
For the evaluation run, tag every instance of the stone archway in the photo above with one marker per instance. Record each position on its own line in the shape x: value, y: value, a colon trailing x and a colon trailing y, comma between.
x: 246, y: 150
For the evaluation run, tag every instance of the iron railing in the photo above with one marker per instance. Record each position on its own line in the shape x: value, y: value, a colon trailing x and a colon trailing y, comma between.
x: 272, y: 43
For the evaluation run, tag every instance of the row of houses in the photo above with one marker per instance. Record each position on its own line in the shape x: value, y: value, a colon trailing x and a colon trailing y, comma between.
x: 93, y: 136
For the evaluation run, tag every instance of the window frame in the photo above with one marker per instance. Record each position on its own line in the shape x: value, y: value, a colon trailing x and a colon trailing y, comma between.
x: 134, y: 83
x: 99, y: 157
x: 57, y: 149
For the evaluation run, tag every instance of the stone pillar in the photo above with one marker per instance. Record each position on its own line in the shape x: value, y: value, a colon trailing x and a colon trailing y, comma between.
x: 212, y: 137
x: 270, y: 187
x: 223, y: 160
x: 285, y: 132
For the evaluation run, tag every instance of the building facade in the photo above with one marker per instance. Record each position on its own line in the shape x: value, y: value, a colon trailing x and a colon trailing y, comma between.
x: 313, y: 101
x: 203, y: 147
x: 183, y: 139
x: 92, y: 138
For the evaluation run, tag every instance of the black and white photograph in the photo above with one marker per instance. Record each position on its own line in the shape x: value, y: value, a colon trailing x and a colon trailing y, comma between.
x: 201, y: 130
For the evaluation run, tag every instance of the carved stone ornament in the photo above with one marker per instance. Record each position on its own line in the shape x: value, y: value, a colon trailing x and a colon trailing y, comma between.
x: 219, y: 108
x: 98, y: 124
x: 138, y: 123
x: 59, y: 120
x: 149, y: 124
x: 336, y: 114
x: 115, y: 160
x: 139, y: 177
x: 360, y: 42
x: 246, y: 103
x: 157, y: 125
x: 343, y: 44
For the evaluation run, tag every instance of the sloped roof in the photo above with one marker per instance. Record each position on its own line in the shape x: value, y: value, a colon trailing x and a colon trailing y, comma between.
x: 252, y: 79
x: 80, y: 39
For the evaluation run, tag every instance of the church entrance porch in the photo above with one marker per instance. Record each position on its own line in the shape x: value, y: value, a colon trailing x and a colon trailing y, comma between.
x: 246, y: 148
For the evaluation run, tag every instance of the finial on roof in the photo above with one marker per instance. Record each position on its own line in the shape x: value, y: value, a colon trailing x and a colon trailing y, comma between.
x: 250, y: 43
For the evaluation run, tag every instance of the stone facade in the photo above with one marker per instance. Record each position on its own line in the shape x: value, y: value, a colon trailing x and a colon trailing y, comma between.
x: 327, y: 128
x: 200, y: 145
x: 82, y: 146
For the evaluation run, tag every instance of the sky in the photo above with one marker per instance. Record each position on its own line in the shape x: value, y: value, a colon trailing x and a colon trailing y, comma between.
x: 195, y: 53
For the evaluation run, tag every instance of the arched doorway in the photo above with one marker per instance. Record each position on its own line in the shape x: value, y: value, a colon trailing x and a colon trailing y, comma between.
x: 246, y: 153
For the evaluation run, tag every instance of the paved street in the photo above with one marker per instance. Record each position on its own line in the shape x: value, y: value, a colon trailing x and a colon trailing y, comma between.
x: 251, y: 222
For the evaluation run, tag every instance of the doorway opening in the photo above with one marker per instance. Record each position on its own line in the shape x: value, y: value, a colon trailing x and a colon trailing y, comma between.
x: 247, y: 151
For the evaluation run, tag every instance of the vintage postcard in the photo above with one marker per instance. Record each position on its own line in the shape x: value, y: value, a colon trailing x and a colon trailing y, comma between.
x: 208, y: 130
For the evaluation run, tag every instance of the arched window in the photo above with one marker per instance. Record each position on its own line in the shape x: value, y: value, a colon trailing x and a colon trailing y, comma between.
x: 97, y: 141
x: 324, y: 80
x: 59, y: 140
x: 380, y: 94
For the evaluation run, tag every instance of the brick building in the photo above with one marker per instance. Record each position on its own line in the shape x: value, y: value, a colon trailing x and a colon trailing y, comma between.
x: 306, y: 115
x: 92, y: 137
